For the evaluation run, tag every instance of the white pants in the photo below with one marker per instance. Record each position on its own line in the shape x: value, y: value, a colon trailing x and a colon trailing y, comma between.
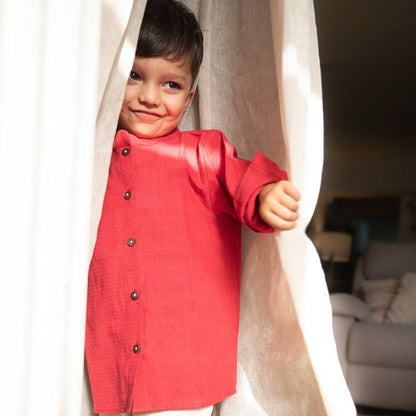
x: 205, y: 411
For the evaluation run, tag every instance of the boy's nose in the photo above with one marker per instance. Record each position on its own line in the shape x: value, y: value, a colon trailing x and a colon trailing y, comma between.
x: 149, y: 94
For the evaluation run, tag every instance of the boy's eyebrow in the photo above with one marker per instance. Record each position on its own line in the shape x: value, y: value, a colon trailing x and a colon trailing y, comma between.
x: 176, y: 76
x: 173, y: 75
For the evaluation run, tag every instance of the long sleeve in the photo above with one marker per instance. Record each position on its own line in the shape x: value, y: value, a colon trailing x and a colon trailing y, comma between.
x: 240, y: 180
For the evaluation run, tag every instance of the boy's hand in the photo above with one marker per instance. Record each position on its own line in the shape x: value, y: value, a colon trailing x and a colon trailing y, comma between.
x: 279, y: 205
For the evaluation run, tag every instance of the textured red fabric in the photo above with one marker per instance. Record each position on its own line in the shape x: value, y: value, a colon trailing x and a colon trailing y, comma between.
x: 165, y: 273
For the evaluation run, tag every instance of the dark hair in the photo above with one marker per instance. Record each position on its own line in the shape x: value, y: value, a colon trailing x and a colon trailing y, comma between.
x: 170, y: 29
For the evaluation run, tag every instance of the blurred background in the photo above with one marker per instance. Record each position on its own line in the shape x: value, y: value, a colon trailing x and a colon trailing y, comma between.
x: 364, y: 226
x: 368, y: 69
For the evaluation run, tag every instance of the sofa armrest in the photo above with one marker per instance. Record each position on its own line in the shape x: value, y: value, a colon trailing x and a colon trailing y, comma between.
x: 382, y: 344
x: 348, y: 305
x: 342, y: 327
x: 346, y: 310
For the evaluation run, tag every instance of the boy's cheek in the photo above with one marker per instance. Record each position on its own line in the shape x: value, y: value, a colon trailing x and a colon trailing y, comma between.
x: 128, y: 94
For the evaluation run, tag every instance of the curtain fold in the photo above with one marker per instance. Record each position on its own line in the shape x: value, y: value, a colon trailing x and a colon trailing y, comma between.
x: 298, y: 77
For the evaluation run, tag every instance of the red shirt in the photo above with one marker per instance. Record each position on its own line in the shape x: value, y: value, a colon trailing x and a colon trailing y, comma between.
x: 164, y: 283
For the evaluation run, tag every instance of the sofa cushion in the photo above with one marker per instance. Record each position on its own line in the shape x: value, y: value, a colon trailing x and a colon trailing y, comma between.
x: 378, y: 295
x: 382, y: 345
x: 348, y: 305
x: 385, y: 260
x: 383, y: 388
x: 403, y: 306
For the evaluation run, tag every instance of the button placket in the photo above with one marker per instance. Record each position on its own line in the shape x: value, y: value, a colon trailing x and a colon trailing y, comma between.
x: 131, y: 242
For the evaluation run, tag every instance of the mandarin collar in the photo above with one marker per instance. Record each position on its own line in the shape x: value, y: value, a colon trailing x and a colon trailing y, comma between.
x: 124, y: 138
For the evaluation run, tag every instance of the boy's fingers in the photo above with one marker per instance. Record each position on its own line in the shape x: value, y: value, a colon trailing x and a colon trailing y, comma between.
x: 283, y: 200
x: 285, y: 213
x: 291, y: 190
x: 289, y: 202
x: 279, y: 205
x: 281, y: 218
x: 279, y: 223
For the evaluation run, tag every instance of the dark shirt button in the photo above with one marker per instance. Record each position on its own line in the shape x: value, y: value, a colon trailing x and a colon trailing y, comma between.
x: 131, y: 242
x: 127, y: 195
x: 125, y: 151
x: 136, y: 349
x: 134, y: 295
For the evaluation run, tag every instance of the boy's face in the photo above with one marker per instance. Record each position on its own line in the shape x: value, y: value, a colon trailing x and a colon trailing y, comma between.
x: 157, y: 94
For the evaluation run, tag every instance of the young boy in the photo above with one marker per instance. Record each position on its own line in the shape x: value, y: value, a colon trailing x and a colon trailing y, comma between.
x: 163, y: 298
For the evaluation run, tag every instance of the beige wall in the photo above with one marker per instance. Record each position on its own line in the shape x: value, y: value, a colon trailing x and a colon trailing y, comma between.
x: 360, y: 163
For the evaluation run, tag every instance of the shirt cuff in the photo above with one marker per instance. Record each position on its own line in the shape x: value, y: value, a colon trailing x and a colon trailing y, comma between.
x: 259, y: 173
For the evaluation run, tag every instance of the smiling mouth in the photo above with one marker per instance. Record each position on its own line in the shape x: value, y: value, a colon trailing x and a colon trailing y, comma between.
x: 146, y: 115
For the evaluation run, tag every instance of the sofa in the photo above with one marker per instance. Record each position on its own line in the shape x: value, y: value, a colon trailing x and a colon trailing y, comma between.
x: 375, y: 328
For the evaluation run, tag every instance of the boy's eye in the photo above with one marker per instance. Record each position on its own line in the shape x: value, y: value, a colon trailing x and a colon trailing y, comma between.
x: 173, y: 85
x: 134, y: 76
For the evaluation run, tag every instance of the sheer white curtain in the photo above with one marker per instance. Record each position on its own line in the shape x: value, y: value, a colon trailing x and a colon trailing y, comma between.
x: 48, y: 93
x: 260, y: 84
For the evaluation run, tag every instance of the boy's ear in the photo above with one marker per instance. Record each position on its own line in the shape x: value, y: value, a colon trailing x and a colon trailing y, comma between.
x: 189, y: 99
